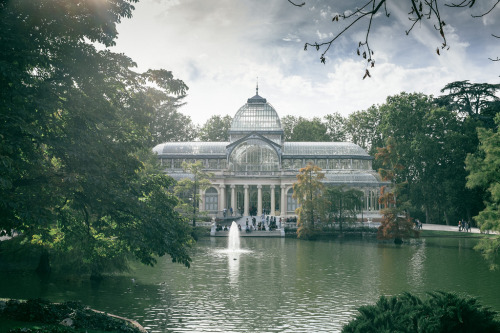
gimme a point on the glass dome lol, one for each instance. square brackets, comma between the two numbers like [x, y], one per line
[256, 115]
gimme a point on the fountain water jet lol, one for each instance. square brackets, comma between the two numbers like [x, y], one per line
[233, 241]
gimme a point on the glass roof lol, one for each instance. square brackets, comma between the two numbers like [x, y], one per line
[191, 148]
[291, 149]
[351, 178]
[256, 115]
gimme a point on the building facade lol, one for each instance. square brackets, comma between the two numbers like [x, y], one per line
[255, 170]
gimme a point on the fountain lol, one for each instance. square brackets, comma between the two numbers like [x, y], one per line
[233, 241]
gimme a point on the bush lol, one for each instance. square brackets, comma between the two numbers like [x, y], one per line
[440, 312]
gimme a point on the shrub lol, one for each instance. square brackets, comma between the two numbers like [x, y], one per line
[440, 312]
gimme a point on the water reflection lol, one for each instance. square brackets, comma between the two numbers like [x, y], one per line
[416, 269]
[233, 260]
[274, 285]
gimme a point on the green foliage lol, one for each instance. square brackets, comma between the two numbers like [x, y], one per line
[74, 131]
[475, 100]
[188, 190]
[430, 144]
[42, 311]
[310, 130]
[440, 312]
[484, 172]
[342, 205]
[335, 125]
[169, 124]
[363, 129]
[216, 129]
[308, 191]
[396, 222]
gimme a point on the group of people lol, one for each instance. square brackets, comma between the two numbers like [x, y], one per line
[464, 226]
[268, 223]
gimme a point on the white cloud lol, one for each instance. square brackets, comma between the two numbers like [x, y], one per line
[220, 47]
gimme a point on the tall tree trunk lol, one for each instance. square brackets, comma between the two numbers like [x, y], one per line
[43, 267]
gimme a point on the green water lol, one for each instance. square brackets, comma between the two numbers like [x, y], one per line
[276, 285]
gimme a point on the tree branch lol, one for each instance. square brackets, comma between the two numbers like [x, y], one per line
[295, 4]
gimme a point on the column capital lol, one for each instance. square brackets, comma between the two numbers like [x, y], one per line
[233, 186]
[283, 186]
[259, 186]
[246, 186]
[222, 185]
[272, 186]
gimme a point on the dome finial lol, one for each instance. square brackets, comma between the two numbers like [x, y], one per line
[257, 88]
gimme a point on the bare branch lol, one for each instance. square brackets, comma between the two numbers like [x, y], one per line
[489, 11]
[296, 4]
[419, 10]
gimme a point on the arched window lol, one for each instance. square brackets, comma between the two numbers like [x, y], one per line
[254, 155]
[291, 202]
[211, 200]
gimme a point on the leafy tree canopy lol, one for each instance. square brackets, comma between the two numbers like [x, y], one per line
[216, 129]
[342, 204]
[308, 191]
[484, 172]
[188, 190]
[74, 140]
[476, 100]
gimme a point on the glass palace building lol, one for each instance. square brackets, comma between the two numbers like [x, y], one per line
[255, 170]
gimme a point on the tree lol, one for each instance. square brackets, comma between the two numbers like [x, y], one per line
[363, 129]
[288, 123]
[484, 172]
[313, 130]
[335, 125]
[342, 205]
[368, 10]
[308, 191]
[432, 143]
[74, 129]
[396, 222]
[439, 312]
[476, 100]
[188, 189]
[216, 129]
[169, 124]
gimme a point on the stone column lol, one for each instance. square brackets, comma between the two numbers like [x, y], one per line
[273, 204]
[233, 199]
[222, 192]
[259, 200]
[283, 200]
[246, 210]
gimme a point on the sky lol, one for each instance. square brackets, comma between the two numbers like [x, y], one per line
[220, 48]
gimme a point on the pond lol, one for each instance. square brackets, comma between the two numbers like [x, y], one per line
[275, 285]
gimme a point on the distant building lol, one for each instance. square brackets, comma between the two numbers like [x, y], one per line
[256, 169]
